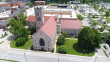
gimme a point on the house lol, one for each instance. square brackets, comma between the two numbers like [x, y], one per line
[3, 23]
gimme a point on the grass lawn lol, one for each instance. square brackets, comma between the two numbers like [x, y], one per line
[27, 45]
[8, 60]
[1, 42]
[74, 49]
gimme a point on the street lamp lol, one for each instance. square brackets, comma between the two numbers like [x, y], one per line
[25, 55]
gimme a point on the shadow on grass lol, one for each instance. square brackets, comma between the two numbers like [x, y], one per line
[79, 49]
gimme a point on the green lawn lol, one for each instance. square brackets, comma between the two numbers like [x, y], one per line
[74, 49]
[1, 42]
[27, 45]
[8, 60]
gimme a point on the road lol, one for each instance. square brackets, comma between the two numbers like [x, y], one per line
[36, 56]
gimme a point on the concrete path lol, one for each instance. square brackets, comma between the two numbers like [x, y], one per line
[72, 39]
[55, 43]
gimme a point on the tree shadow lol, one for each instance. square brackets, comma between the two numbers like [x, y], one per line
[80, 49]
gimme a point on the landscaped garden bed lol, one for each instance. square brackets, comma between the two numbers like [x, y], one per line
[27, 44]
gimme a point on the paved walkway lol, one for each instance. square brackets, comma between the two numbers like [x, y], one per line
[72, 39]
[55, 44]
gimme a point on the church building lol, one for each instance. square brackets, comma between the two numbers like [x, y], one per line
[49, 26]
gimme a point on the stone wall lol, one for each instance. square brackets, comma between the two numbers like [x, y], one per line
[49, 42]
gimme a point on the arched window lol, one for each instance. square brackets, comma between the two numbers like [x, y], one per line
[42, 43]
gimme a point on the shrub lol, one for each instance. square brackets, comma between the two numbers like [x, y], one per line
[62, 49]
[61, 40]
[52, 50]
[20, 41]
[80, 17]
[65, 34]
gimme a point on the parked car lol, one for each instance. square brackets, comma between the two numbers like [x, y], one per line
[105, 47]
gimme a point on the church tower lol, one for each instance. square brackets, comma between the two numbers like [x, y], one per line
[39, 16]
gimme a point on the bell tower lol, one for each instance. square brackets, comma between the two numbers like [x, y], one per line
[39, 16]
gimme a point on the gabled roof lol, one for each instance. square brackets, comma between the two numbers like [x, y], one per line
[49, 26]
[71, 24]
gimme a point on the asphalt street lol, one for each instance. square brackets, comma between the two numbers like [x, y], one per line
[36, 56]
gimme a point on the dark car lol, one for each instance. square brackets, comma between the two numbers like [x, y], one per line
[105, 47]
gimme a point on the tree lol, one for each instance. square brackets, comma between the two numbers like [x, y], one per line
[22, 18]
[14, 26]
[102, 9]
[30, 4]
[61, 40]
[104, 36]
[108, 20]
[107, 13]
[62, 49]
[94, 23]
[17, 28]
[80, 17]
[89, 38]
[32, 30]
[23, 32]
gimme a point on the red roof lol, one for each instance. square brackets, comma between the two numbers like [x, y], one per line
[49, 26]
[71, 24]
[31, 19]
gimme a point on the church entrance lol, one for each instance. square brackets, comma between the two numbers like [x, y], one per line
[42, 43]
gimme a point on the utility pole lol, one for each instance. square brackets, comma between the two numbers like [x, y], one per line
[58, 57]
[25, 56]
[95, 59]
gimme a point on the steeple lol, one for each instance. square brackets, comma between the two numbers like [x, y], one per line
[39, 16]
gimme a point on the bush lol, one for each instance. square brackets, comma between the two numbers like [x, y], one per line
[52, 50]
[65, 34]
[80, 17]
[30, 4]
[62, 49]
[61, 40]
[20, 41]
